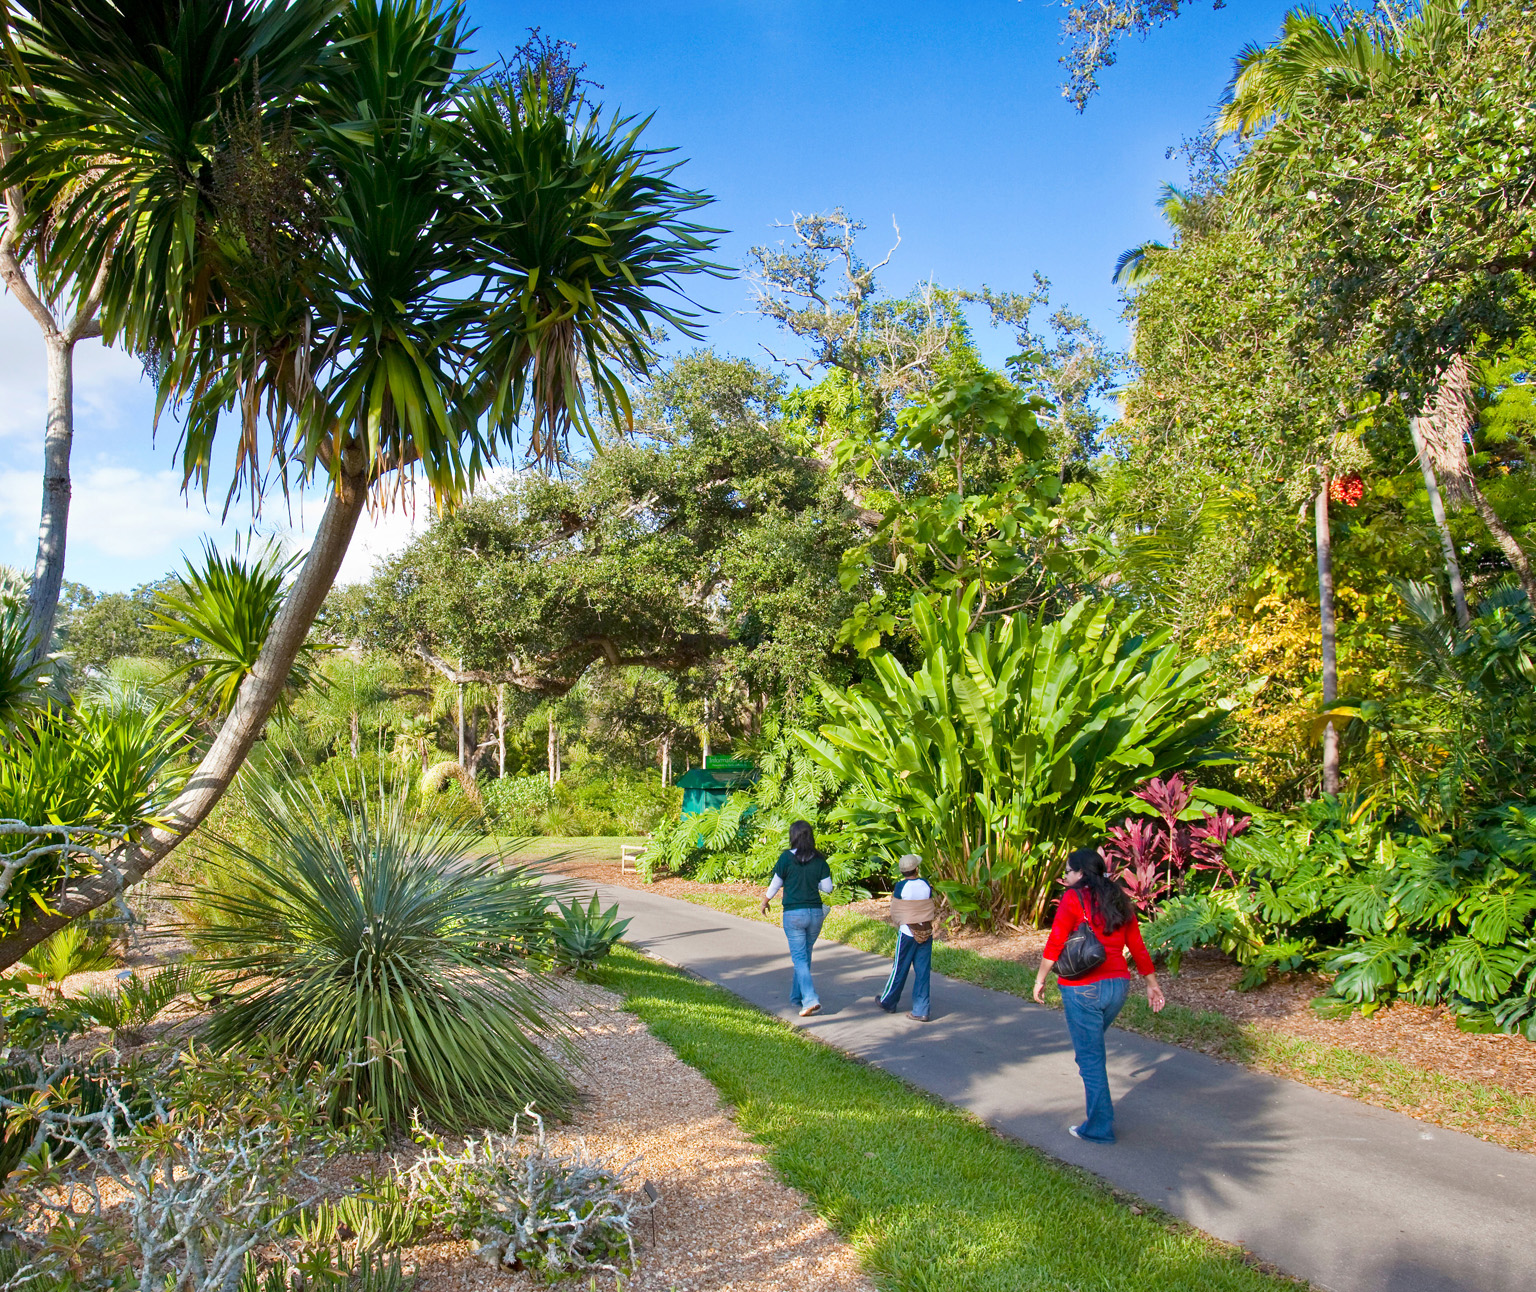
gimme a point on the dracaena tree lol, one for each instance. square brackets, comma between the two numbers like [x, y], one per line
[367, 266]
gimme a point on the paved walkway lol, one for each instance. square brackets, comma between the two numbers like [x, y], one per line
[1350, 1197]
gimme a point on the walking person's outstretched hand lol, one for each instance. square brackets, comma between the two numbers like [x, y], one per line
[1039, 991]
[765, 902]
[1155, 997]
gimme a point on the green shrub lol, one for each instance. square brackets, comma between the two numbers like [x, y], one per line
[374, 941]
[517, 797]
[139, 1000]
[589, 801]
[73, 949]
[1384, 910]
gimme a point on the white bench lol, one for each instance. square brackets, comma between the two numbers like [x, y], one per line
[629, 855]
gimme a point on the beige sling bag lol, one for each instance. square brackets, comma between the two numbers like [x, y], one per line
[917, 913]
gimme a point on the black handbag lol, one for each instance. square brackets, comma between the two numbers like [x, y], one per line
[1083, 953]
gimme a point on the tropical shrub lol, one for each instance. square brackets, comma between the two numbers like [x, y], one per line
[73, 949]
[590, 800]
[515, 803]
[1385, 910]
[378, 940]
[741, 840]
[72, 785]
[137, 1001]
[221, 612]
[1153, 858]
[1013, 742]
[22, 685]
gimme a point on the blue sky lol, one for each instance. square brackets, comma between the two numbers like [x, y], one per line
[947, 117]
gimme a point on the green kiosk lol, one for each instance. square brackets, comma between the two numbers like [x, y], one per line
[709, 786]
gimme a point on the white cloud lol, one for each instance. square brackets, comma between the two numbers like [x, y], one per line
[110, 388]
[120, 513]
[379, 534]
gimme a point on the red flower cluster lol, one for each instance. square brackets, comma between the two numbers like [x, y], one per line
[1348, 490]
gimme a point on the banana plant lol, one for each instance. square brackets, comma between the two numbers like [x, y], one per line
[1012, 743]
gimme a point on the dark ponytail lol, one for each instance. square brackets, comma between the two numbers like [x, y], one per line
[1100, 894]
[802, 841]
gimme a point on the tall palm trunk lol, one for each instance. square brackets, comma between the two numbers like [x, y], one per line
[258, 696]
[1437, 510]
[461, 719]
[59, 430]
[1330, 640]
[1444, 433]
[501, 730]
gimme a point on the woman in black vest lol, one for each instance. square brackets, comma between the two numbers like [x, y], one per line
[802, 874]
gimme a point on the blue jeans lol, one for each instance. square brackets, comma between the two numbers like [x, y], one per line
[918, 957]
[1090, 1009]
[802, 927]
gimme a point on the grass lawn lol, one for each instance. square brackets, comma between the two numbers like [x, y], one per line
[1474, 1107]
[932, 1200]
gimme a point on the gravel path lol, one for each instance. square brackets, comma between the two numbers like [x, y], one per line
[725, 1222]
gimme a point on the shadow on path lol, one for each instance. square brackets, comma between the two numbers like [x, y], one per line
[1350, 1197]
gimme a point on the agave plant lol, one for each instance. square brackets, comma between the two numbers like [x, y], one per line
[585, 934]
[372, 938]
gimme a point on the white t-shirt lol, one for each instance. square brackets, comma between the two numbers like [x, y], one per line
[914, 890]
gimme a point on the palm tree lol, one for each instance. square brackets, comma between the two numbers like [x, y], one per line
[65, 294]
[1349, 56]
[385, 269]
[1139, 263]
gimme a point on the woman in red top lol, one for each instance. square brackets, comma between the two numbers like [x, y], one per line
[1092, 1001]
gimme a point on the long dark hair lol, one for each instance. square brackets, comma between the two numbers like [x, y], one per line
[1100, 894]
[802, 841]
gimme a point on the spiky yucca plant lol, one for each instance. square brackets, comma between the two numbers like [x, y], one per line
[372, 936]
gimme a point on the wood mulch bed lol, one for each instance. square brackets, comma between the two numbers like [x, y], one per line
[724, 1223]
[1425, 1038]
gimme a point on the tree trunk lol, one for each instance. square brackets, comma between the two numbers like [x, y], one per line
[666, 760]
[1507, 542]
[356, 725]
[549, 749]
[1437, 510]
[258, 696]
[501, 730]
[1330, 643]
[706, 731]
[53, 524]
[1444, 433]
[461, 723]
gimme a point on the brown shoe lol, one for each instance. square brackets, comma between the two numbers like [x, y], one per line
[809, 1010]
[918, 1018]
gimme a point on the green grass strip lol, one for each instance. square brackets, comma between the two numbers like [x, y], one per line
[932, 1200]
[1490, 1111]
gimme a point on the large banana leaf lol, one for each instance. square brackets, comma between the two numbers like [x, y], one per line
[1014, 742]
